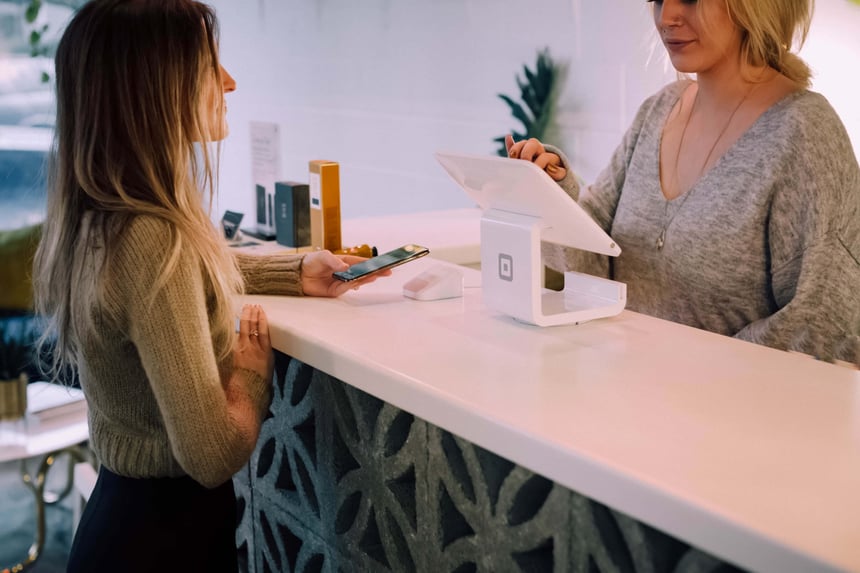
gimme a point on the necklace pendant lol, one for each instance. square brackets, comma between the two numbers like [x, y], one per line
[661, 240]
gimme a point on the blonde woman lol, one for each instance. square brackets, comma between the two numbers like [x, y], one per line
[735, 198]
[138, 287]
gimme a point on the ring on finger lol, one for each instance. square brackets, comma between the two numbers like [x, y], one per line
[255, 332]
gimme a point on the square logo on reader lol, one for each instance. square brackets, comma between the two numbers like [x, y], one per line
[506, 267]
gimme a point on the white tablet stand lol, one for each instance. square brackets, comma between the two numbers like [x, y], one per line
[522, 207]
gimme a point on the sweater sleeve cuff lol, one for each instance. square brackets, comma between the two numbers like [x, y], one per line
[271, 274]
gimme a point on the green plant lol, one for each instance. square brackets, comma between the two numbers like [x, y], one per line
[31, 14]
[537, 92]
[35, 39]
[17, 352]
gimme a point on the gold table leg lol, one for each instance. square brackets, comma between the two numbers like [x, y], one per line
[37, 483]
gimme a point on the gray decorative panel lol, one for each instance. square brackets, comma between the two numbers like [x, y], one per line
[343, 482]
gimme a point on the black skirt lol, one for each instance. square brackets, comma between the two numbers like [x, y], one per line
[157, 524]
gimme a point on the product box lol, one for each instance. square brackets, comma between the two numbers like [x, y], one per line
[292, 214]
[265, 213]
[324, 186]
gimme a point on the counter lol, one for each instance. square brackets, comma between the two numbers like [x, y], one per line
[748, 453]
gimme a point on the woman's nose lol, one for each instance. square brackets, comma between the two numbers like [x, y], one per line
[670, 13]
[227, 81]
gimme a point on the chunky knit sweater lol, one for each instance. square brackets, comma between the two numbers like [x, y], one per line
[764, 247]
[157, 405]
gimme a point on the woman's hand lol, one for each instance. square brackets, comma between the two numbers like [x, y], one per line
[253, 349]
[317, 269]
[534, 151]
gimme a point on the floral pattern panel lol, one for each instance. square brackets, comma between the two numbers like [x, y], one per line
[342, 482]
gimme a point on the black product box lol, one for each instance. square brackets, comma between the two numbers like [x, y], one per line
[292, 214]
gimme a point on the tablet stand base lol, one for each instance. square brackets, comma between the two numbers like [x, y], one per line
[512, 276]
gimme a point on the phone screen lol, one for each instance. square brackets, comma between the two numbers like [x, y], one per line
[387, 260]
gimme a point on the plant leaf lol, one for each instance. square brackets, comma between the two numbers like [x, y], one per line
[32, 11]
[536, 94]
[544, 83]
[530, 76]
[528, 95]
[517, 111]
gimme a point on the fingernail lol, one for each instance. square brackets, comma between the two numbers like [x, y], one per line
[512, 154]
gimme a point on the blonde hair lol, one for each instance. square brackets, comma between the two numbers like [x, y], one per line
[131, 76]
[770, 29]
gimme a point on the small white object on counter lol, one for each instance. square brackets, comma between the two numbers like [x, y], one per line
[437, 282]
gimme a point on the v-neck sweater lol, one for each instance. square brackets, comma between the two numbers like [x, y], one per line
[765, 246]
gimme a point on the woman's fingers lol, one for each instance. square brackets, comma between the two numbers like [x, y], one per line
[515, 149]
[263, 326]
[253, 349]
[526, 149]
[534, 151]
[531, 149]
[546, 159]
[245, 321]
[253, 324]
[556, 172]
[254, 330]
[551, 163]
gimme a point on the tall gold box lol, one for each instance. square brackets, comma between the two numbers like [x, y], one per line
[324, 184]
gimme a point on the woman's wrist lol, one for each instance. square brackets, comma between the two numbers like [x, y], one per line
[256, 388]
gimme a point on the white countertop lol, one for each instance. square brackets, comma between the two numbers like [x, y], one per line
[746, 452]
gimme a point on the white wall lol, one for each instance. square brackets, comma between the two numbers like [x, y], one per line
[379, 85]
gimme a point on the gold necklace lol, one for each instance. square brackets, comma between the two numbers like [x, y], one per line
[661, 240]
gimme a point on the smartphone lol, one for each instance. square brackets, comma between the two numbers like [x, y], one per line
[387, 260]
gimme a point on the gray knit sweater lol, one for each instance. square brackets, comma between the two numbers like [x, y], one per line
[765, 246]
[157, 407]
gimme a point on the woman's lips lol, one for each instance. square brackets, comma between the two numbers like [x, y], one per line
[675, 45]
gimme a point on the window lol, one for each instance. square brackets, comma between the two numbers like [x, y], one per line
[27, 110]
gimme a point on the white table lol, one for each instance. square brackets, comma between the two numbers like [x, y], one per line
[750, 453]
[46, 440]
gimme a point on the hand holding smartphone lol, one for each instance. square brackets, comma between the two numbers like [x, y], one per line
[387, 260]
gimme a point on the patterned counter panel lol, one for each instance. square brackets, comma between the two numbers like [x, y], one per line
[343, 482]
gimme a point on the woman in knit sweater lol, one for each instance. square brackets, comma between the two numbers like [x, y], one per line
[138, 287]
[735, 198]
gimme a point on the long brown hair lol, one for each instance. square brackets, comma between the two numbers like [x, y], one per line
[131, 76]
